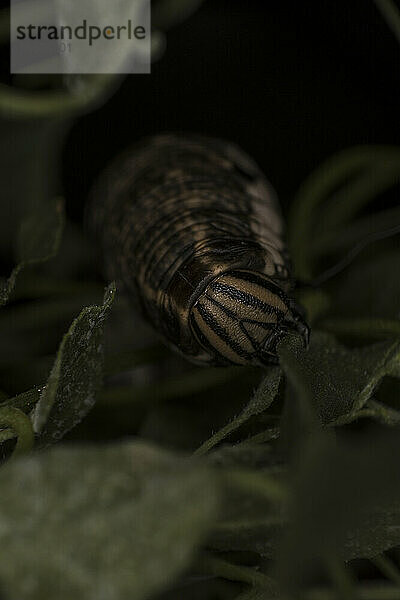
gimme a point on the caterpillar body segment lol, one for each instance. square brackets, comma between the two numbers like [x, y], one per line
[192, 230]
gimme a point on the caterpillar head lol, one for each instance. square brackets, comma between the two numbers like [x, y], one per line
[241, 316]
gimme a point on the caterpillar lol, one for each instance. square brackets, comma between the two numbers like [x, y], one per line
[193, 232]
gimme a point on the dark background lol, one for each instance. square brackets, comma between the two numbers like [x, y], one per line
[290, 81]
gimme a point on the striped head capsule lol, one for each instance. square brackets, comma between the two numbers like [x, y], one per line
[241, 316]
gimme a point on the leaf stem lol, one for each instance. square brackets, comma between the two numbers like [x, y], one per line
[275, 521]
[226, 570]
[261, 438]
[19, 103]
[21, 424]
[256, 482]
[341, 578]
[262, 399]
[387, 568]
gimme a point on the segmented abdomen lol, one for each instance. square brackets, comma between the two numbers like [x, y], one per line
[173, 214]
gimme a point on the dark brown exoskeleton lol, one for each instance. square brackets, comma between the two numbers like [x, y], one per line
[193, 232]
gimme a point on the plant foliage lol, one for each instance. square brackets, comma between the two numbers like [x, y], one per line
[174, 482]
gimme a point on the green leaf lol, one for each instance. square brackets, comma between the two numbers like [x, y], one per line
[334, 380]
[73, 381]
[25, 401]
[345, 504]
[260, 402]
[76, 375]
[117, 521]
[39, 240]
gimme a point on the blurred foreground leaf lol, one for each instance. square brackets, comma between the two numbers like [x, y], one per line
[114, 522]
[345, 504]
[391, 14]
[38, 241]
[76, 375]
[85, 93]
